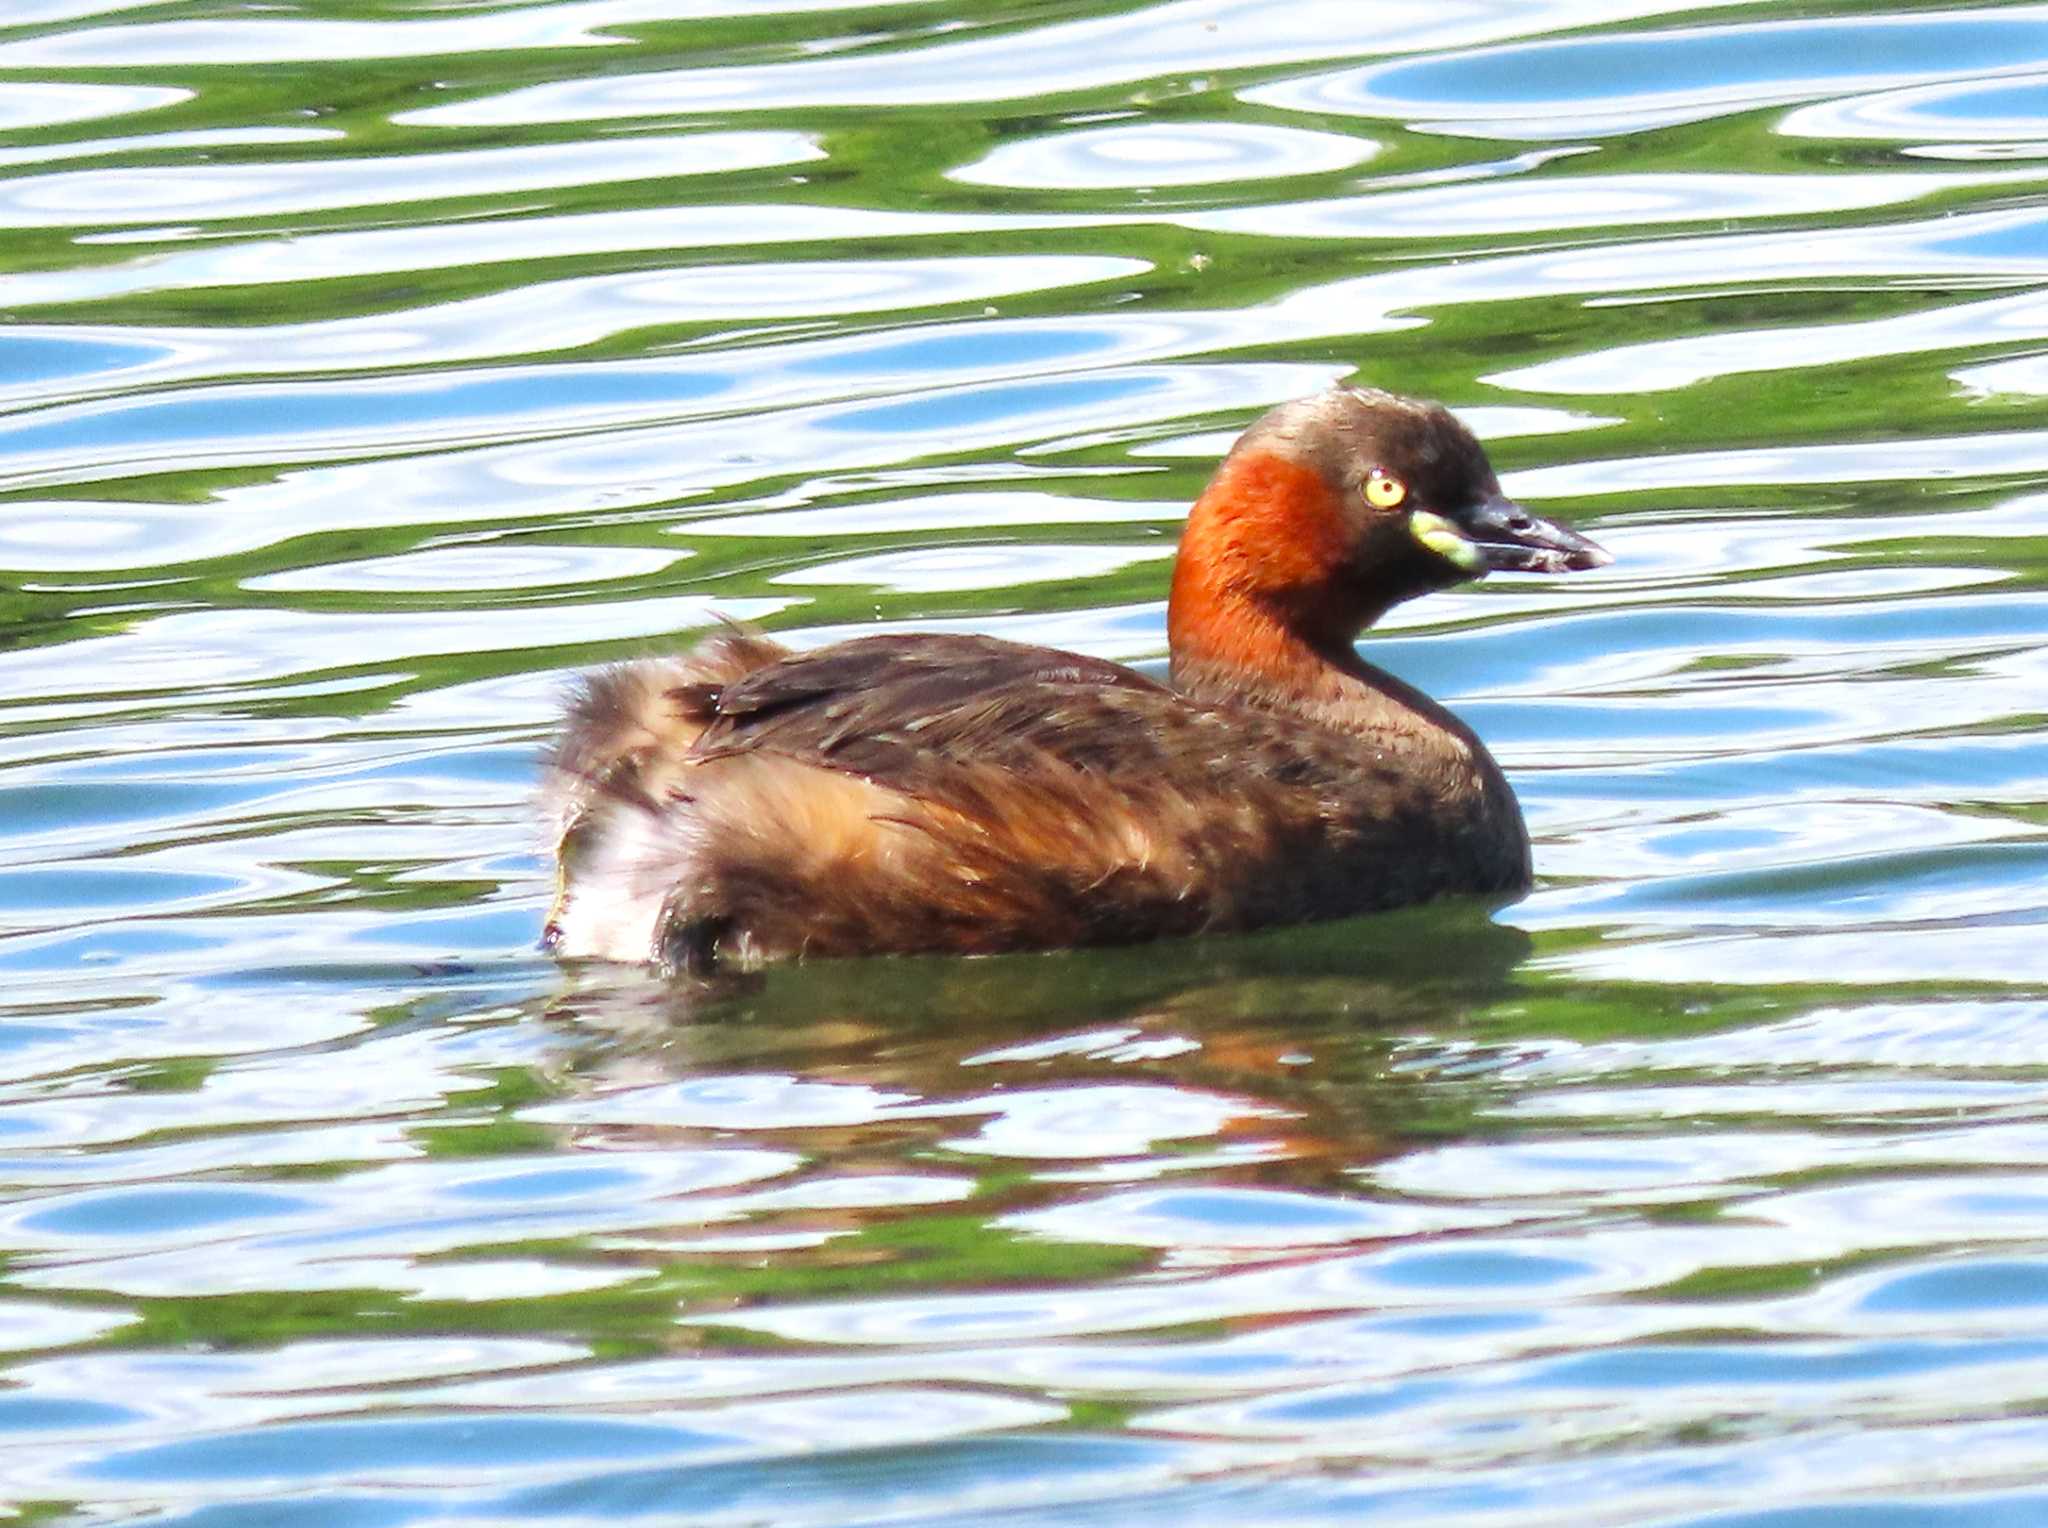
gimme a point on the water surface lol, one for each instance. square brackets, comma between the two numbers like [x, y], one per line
[369, 368]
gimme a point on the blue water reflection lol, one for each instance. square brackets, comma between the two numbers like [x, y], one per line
[371, 372]
[1619, 84]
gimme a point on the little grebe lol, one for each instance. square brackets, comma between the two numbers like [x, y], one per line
[746, 803]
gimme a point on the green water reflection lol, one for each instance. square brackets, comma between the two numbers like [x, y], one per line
[369, 367]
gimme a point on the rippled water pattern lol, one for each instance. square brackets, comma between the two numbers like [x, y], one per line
[368, 366]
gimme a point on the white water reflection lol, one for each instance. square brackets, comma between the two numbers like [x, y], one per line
[1662, 365]
[90, 198]
[1592, 86]
[1184, 154]
[202, 649]
[1712, 1177]
[1906, 461]
[68, 360]
[481, 568]
[1582, 201]
[2024, 376]
[30, 104]
[1959, 117]
[1206, 1220]
[26, 1325]
[504, 241]
[308, 39]
[963, 568]
[1085, 54]
[986, 510]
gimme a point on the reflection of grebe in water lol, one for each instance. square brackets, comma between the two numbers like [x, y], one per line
[948, 793]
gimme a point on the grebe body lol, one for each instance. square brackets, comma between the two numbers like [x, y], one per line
[899, 793]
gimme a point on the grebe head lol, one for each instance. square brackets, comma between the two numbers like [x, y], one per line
[1333, 508]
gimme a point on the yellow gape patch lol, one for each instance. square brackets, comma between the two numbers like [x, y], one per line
[1444, 539]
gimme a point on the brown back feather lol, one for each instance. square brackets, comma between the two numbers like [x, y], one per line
[965, 794]
[623, 718]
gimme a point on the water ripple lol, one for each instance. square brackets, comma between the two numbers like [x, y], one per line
[369, 372]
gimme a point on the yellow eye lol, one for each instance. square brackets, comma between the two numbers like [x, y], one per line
[1383, 491]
